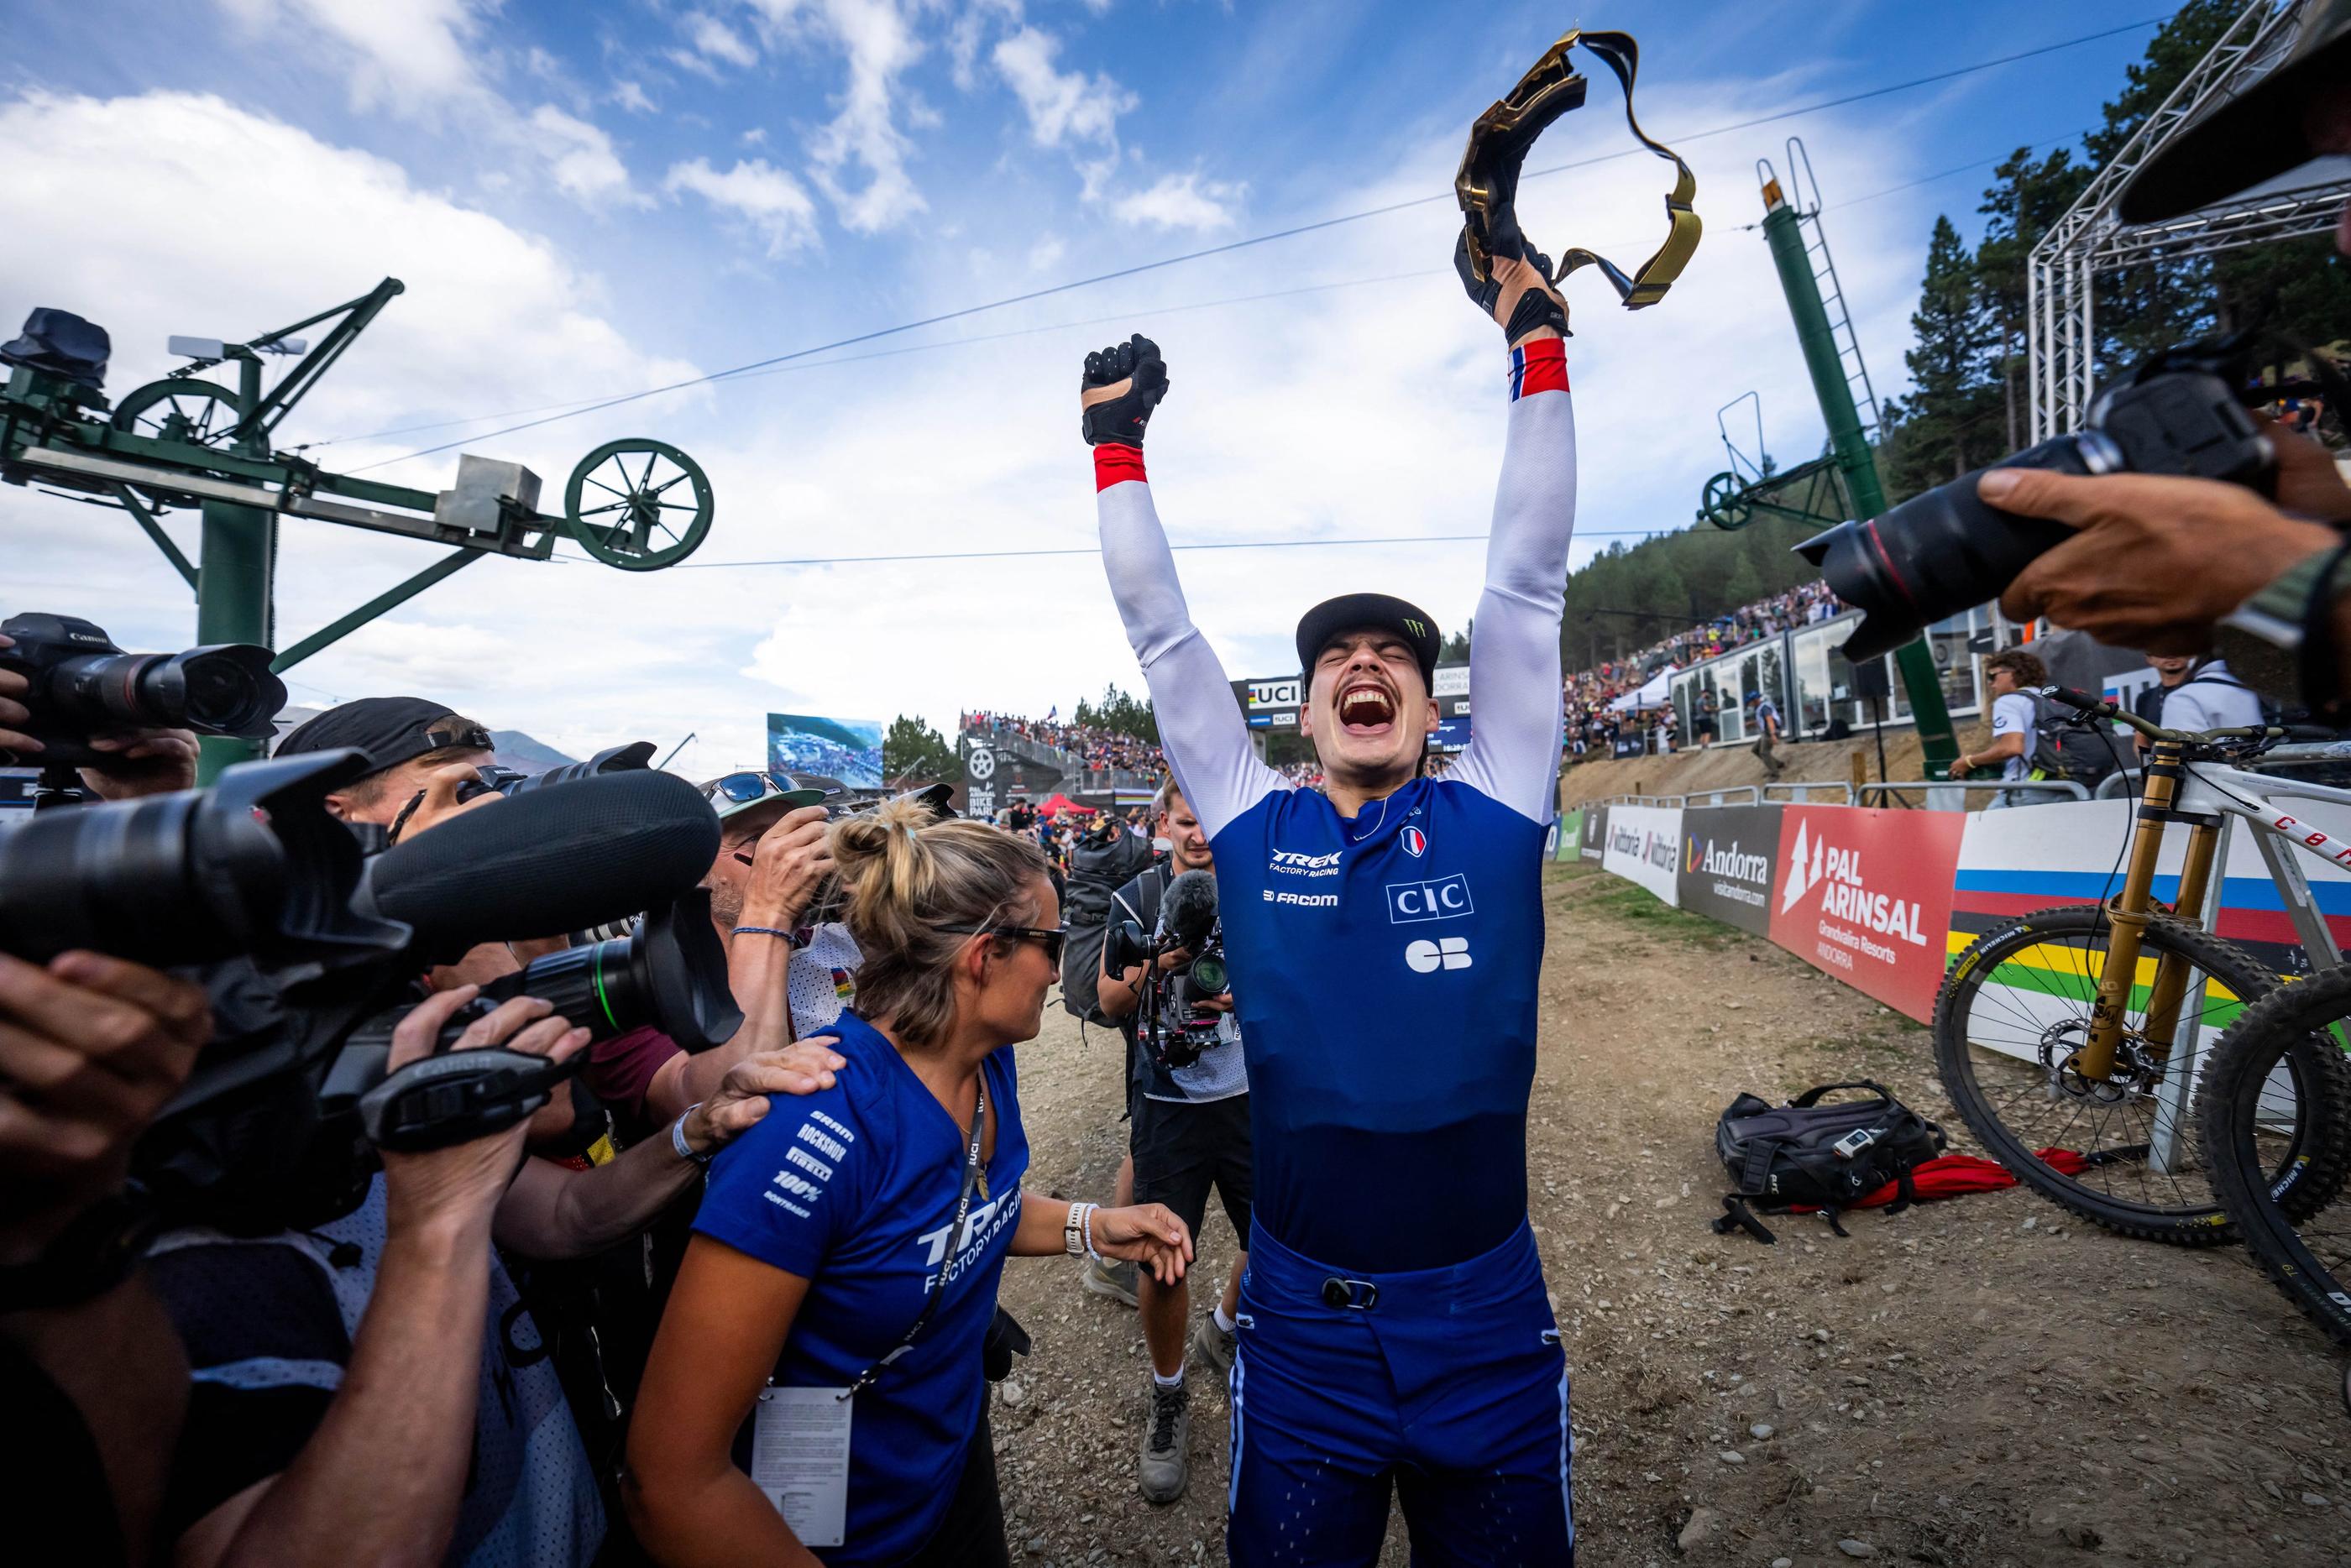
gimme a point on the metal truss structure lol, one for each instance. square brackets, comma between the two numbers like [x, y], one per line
[2090, 239]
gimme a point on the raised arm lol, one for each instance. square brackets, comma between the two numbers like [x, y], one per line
[1514, 660]
[1200, 727]
[1514, 663]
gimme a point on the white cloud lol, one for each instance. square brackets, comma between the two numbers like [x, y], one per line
[424, 60]
[1063, 107]
[756, 137]
[878, 38]
[1182, 202]
[719, 41]
[132, 211]
[762, 195]
[1046, 252]
[580, 159]
[631, 96]
[401, 56]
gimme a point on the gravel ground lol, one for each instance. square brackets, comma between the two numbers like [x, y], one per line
[1983, 1381]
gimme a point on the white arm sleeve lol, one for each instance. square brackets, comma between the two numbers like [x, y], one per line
[1514, 662]
[1200, 729]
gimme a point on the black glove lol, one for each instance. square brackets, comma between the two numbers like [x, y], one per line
[1495, 161]
[1120, 387]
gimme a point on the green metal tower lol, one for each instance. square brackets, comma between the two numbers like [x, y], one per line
[1833, 355]
[186, 440]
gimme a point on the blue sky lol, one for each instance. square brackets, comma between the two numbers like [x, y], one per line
[590, 200]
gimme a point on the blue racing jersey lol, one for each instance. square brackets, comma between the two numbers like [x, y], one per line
[853, 1188]
[1383, 967]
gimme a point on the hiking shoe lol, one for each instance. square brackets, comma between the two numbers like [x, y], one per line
[1115, 1281]
[1214, 1347]
[1166, 1444]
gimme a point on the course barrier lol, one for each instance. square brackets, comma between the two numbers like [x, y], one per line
[1884, 899]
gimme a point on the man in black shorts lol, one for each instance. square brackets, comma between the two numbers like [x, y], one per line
[1191, 1131]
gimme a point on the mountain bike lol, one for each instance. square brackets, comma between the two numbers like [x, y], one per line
[2072, 1039]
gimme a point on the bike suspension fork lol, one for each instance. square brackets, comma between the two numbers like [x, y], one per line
[2127, 915]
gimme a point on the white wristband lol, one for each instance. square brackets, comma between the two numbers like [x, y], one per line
[1087, 1231]
[677, 1139]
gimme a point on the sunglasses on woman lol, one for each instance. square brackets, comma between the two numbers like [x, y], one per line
[1052, 936]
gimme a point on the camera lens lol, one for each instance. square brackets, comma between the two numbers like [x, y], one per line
[224, 689]
[254, 865]
[1944, 551]
[1208, 975]
[670, 974]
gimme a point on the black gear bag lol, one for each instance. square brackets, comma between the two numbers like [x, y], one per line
[1821, 1156]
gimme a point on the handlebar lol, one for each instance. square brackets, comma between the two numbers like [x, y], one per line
[2094, 706]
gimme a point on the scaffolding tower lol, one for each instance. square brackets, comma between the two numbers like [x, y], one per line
[2090, 238]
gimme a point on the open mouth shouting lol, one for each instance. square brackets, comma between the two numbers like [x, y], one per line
[1366, 708]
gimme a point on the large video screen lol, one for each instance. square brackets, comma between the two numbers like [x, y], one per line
[847, 749]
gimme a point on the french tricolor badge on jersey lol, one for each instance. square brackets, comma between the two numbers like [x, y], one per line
[1415, 842]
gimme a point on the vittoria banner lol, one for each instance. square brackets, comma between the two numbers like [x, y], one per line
[1644, 845]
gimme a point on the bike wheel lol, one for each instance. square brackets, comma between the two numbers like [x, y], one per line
[2275, 1122]
[2013, 1010]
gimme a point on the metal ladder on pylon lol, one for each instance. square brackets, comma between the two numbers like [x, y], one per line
[1804, 196]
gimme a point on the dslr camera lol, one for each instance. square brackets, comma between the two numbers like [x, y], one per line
[1948, 550]
[312, 951]
[1172, 1020]
[81, 685]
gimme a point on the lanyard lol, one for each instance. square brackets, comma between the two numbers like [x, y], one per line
[955, 1229]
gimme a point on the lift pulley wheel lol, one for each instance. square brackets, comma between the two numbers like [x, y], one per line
[638, 504]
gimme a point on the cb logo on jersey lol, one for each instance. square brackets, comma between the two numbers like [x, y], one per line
[1415, 842]
[1428, 957]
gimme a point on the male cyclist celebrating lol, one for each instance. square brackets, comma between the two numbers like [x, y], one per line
[1384, 938]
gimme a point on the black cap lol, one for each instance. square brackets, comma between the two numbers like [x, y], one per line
[1351, 612]
[2250, 138]
[389, 730]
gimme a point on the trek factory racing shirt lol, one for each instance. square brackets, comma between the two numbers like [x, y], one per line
[853, 1188]
[1383, 967]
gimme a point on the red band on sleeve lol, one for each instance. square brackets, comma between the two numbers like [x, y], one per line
[1539, 367]
[1115, 463]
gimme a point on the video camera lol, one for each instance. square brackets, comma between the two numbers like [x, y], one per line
[81, 684]
[1189, 923]
[1948, 550]
[315, 952]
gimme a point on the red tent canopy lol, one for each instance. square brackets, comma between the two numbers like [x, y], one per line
[1062, 802]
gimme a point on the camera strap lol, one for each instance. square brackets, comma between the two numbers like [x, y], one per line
[971, 1169]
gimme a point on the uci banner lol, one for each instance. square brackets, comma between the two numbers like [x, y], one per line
[1867, 896]
[1730, 862]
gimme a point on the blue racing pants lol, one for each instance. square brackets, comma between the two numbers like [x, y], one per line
[1447, 1384]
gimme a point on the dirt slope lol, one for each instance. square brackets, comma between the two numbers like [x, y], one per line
[1980, 1382]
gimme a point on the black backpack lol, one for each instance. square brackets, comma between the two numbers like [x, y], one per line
[1821, 1155]
[1096, 871]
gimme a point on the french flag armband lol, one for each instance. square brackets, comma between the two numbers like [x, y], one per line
[1537, 367]
[1117, 462]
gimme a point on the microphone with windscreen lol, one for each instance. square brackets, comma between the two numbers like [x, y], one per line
[546, 861]
[1189, 908]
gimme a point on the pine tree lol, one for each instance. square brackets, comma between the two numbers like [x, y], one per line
[912, 748]
[1952, 390]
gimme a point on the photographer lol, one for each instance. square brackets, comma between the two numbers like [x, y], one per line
[1190, 1129]
[851, 1250]
[93, 1383]
[2159, 560]
[2012, 676]
[790, 976]
[139, 761]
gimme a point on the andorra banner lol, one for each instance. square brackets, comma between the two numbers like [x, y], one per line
[1867, 896]
[1729, 854]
